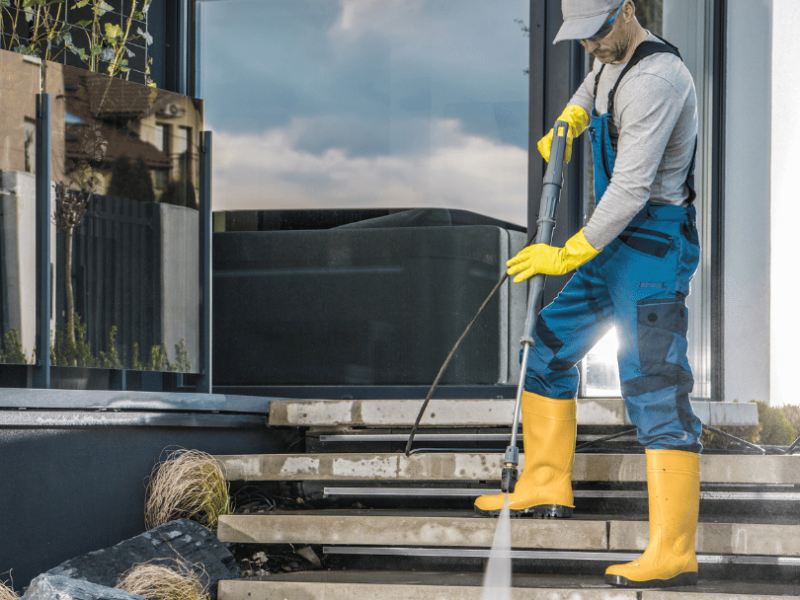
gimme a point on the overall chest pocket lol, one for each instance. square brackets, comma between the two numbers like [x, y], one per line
[647, 241]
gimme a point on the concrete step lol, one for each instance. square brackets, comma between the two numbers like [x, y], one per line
[473, 413]
[444, 529]
[452, 467]
[399, 585]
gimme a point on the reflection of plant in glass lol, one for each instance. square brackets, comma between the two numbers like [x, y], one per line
[159, 359]
[106, 42]
[70, 208]
[71, 348]
[110, 360]
[131, 180]
[11, 350]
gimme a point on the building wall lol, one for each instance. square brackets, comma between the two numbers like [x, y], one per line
[747, 201]
[784, 206]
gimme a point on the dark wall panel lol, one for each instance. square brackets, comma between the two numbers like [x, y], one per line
[69, 491]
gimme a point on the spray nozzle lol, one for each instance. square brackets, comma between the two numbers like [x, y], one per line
[508, 480]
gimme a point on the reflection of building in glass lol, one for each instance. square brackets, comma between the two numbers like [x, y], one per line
[19, 84]
[126, 280]
[124, 131]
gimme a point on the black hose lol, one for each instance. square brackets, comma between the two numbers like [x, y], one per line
[453, 352]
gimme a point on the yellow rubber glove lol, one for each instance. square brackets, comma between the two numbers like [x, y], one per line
[578, 121]
[541, 258]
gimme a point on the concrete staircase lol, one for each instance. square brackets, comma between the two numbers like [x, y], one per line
[392, 526]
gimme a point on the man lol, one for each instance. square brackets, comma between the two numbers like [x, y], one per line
[634, 260]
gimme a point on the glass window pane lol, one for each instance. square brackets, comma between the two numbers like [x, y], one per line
[687, 25]
[407, 124]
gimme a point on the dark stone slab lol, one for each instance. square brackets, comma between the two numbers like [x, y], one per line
[182, 539]
[59, 587]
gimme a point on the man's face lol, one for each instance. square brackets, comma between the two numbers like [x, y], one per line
[614, 45]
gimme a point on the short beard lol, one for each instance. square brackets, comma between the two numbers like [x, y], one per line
[623, 47]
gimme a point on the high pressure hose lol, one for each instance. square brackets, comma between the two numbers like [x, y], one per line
[450, 356]
[551, 192]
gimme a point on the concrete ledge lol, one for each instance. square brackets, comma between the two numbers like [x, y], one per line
[487, 467]
[474, 413]
[131, 401]
[362, 528]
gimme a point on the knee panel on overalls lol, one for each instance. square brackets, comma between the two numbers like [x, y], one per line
[658, 401]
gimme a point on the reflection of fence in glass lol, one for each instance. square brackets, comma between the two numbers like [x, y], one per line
[125, 163]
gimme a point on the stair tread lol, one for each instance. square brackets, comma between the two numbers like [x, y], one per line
[480, 412]
[447, 528]
[456, 585]
[474, 467]
[447, 513]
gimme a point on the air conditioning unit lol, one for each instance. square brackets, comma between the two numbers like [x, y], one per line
[172, 110]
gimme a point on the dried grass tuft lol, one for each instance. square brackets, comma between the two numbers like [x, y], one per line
[189, 484]
[7, 591]
[158, 582]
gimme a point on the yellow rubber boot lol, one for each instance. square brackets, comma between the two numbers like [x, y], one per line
[673, 487]
[545, 487]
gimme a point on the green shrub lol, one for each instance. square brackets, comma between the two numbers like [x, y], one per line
[792, 414]
[776, 429]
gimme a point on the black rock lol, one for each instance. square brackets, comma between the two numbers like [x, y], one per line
[59, 587]
[183, 540]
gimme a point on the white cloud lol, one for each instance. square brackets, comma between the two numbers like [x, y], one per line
[266, 172]
[358, 16]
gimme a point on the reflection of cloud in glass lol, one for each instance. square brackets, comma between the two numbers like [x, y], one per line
[461, 171]
[418, 97]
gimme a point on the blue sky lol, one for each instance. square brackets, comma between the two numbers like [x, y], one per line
[314, 101]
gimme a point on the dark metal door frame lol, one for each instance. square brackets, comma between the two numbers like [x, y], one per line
[555, 73]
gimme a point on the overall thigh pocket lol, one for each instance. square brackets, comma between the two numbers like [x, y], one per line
[662, 325]
[647, 241]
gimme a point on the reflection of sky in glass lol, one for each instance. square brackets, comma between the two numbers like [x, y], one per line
[367, 103]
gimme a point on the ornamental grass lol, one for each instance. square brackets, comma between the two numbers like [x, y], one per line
[7, 591]
[189, 484]
[159, 582]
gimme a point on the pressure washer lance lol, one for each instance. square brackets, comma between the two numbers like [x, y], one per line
[548, 206]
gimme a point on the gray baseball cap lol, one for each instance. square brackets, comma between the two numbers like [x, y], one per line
[583, 18]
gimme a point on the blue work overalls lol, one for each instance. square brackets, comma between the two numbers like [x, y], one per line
[639, 282]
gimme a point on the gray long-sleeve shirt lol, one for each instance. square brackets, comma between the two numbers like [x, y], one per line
[654, 129]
